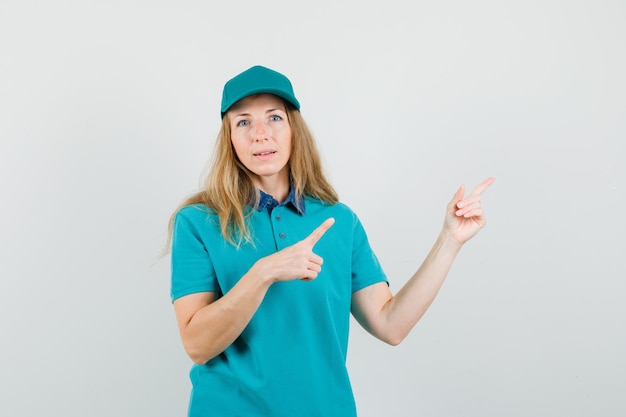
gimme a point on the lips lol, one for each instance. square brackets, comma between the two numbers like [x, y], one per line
[264, 153]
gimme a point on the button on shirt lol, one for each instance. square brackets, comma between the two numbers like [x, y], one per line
[268, 202]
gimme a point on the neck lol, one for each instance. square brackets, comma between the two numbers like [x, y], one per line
[277, 186]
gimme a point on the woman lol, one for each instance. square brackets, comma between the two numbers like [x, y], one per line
[268, 265]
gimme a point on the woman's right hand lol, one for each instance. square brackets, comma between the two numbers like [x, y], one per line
[297, 261]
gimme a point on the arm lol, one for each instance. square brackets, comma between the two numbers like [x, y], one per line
[390, 318]
[208, 325]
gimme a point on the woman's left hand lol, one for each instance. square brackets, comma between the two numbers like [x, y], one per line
[464, 215]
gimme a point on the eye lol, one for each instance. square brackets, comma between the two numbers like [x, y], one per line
[276, 118]
[242, 123]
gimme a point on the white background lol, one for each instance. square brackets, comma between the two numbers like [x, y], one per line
[108, 113]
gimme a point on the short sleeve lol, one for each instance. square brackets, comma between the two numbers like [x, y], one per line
[366, 269]
[191, 268]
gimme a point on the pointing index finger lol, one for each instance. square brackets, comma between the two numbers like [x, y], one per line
[317, 234]
[480, 188]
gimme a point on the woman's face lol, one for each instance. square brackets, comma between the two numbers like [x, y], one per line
[261, 136]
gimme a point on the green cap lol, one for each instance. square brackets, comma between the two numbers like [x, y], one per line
[257, 80]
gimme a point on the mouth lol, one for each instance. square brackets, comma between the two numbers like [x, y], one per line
[264, 153]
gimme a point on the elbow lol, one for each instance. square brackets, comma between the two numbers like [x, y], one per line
[394, 340]
[201, 348]
[391, 335]
[199, 360]
[198, 354]
[198, 357]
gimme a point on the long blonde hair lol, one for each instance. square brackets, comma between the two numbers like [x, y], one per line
[228, 189]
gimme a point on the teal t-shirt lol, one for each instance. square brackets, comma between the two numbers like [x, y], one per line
[291, 358]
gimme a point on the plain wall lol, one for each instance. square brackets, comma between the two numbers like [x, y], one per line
[108, 113]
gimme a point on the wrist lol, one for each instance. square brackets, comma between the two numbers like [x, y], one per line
[446, 239]
[260, 274]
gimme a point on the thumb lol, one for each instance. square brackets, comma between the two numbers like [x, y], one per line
[458, 196]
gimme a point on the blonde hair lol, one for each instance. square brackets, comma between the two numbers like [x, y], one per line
[228, 189]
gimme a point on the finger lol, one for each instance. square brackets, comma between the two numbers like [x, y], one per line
[317, 234]
[467, 207]
[458, 196]
[480, 188]
[315, 267]
[311, 273]
[469, 200]
[315, 260]
[478, 212]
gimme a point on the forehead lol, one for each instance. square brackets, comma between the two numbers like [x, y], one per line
[263, 100]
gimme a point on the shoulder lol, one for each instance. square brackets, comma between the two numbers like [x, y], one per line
[195, 215]
[195, 211]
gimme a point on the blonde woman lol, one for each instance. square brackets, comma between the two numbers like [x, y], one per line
[268, 265]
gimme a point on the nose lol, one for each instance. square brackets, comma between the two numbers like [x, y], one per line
[261, 132]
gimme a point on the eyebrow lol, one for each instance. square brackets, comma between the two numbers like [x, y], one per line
[266, 111]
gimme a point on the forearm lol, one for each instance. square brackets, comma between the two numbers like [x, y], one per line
[217, 325]
[402, 311]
